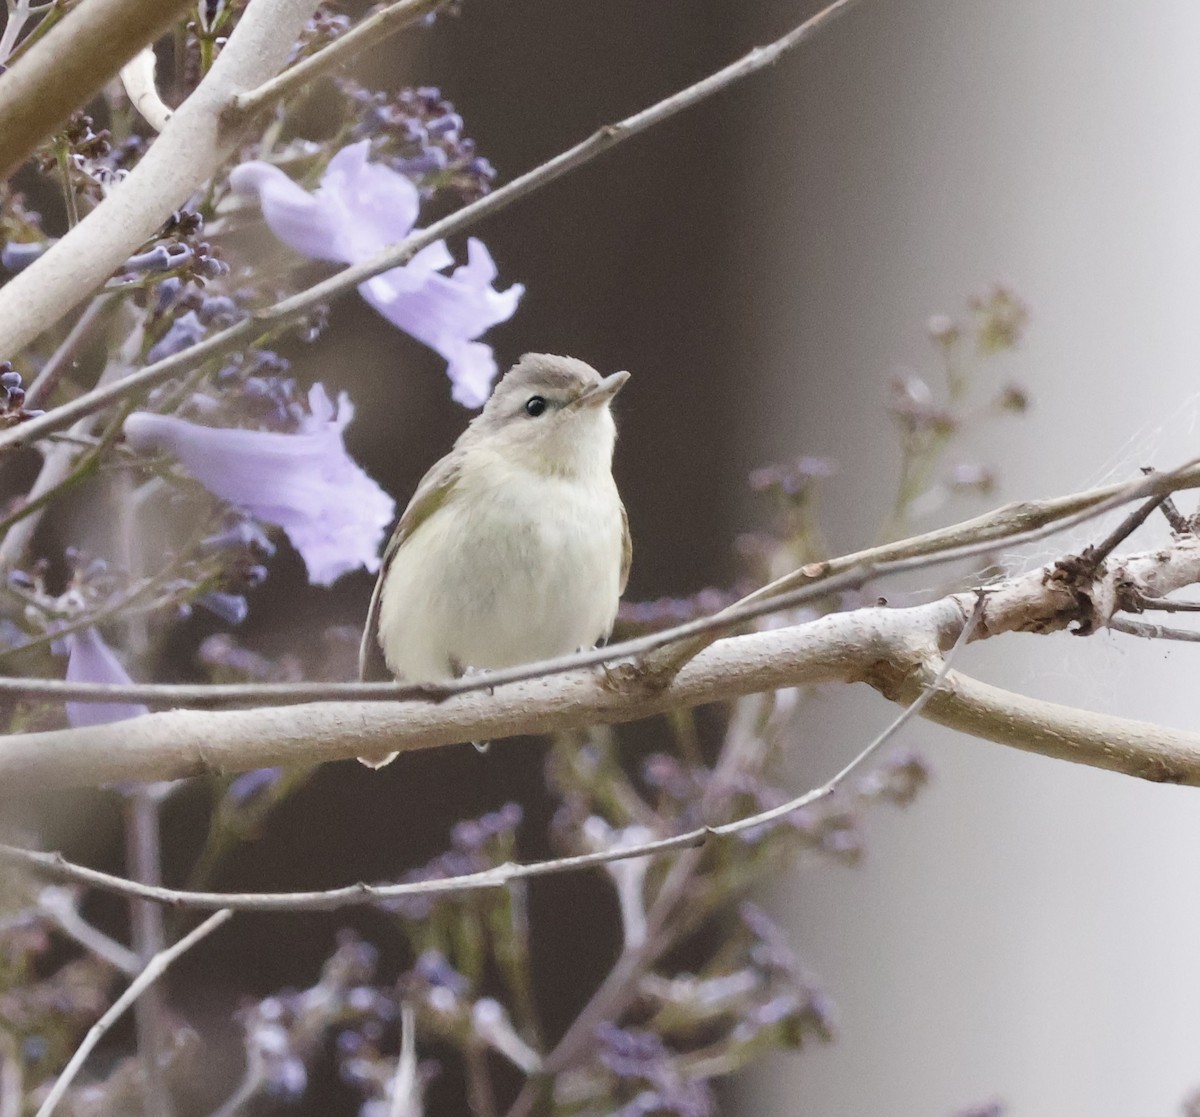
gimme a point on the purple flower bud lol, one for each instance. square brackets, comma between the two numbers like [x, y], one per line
[468, 835]
[431, 161]
[183, 333]
[232, 608]
[629, 1052]
[286, 1079]
[17, 256]
[168, 291]
[481, 168]
[510, 816]
[433, 969]
[219, 308]
[443, 125]
[158, 258]
[255, 575]
[210, 267]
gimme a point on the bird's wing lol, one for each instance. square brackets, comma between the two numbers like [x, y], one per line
[433, 491]
[626, 548]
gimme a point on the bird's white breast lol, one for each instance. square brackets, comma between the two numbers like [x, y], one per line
[519, 566]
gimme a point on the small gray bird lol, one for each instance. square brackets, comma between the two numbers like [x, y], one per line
[515, 546]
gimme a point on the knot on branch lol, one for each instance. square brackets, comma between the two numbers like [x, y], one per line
[898, 681]
[637, 676]
[1082, 578]
[1089, 593]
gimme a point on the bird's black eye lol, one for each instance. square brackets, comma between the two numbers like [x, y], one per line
[534, 406]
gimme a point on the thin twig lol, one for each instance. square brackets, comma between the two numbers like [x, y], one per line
[252, 1081]
[1162, 606]
[601, 141]
[1094, 556]
[47, 379]
[940, 546]
[143, 846]
[369, 33]
[66, 463]
[1170, 511]
[153, 971]
[59, 904]
[1153, 631]
[354, 895]
[18, 15]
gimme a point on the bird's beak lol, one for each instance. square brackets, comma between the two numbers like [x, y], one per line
[600, 394]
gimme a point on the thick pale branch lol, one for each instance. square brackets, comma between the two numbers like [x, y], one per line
[894, 650]
[138, 77]
[181, 743]
[31, 309]
[330, 899]
[69, 67]
[193, 145]
[1134, 748]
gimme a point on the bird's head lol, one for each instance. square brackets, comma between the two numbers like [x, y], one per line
[551, 414]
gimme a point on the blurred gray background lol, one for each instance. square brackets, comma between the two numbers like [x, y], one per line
[1027, 932]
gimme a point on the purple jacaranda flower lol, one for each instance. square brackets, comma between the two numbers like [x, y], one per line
[91, 660]
[304, 482]
[359, 209]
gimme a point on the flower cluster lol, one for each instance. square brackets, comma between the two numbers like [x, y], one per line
[419, 134]
[86, 154]
[287, 1034]
[180, 255]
